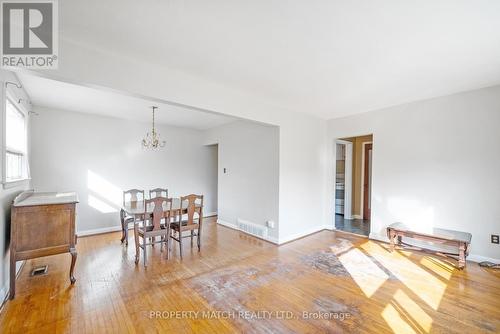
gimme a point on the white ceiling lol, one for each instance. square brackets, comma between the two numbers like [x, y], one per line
[330, 58]
[49, 93]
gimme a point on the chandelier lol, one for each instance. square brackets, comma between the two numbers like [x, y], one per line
[152, 139]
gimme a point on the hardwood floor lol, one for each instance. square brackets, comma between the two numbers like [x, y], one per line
[331, 274]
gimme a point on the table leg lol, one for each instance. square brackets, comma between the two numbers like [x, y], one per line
[72, 268]
[126, 234]
[198, 238]
[136, 238]
[122, 220]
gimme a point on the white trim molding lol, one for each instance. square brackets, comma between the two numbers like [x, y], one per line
[99, 231]
[362, 207]
[235, 227]
[480, 258]
[471, 257]
[299, 235]
[348, 178]
[118, 228]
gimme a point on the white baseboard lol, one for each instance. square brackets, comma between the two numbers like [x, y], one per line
[471, 257]
[304, 233]
[227, 224]
[117, 228]
[282, 240]
[235, 227]
[376, 236]
[480, 258]
[356, 217]
[99, 230]
[4, 291]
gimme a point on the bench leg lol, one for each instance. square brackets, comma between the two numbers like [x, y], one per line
[461, 256]
[392, 236]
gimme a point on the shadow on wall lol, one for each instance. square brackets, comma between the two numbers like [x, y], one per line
[6, 230]
[5, 212]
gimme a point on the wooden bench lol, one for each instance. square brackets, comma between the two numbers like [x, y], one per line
[460, 240]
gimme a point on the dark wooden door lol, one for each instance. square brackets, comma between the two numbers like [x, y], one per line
[367, 183]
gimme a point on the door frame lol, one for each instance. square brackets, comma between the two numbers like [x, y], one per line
[347, 178]
[363, 147]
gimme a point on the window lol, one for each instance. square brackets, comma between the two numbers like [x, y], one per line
[16, 146]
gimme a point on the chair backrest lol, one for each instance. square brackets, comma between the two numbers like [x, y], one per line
[133, 195]
[161, 208]
[192, 204]
[158, 192]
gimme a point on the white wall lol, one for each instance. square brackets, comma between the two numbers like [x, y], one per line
[249, 189]
[99, 157]
[7, 195]
[303, 155]
[303, 186]
[435, 163]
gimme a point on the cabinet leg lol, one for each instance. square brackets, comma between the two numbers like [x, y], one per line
[73, 261]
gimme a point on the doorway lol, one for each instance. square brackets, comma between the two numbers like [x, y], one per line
[353, 179]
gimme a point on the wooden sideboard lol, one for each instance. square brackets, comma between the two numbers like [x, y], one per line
[42, 224]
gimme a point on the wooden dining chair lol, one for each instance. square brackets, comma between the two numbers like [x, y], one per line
[160, 226]
[158, 192]
[132, 195]
[189, 205]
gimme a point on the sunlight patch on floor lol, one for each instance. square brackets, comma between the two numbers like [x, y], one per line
[441, 268]
[395, 321]
[367, 275]
[417, 313]
[422, 283]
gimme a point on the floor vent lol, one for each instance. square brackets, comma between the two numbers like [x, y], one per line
[253, 229]
[38, 271]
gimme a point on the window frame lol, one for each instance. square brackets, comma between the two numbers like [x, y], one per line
[11, 97]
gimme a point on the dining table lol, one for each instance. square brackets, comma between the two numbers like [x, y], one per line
[136, 210]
